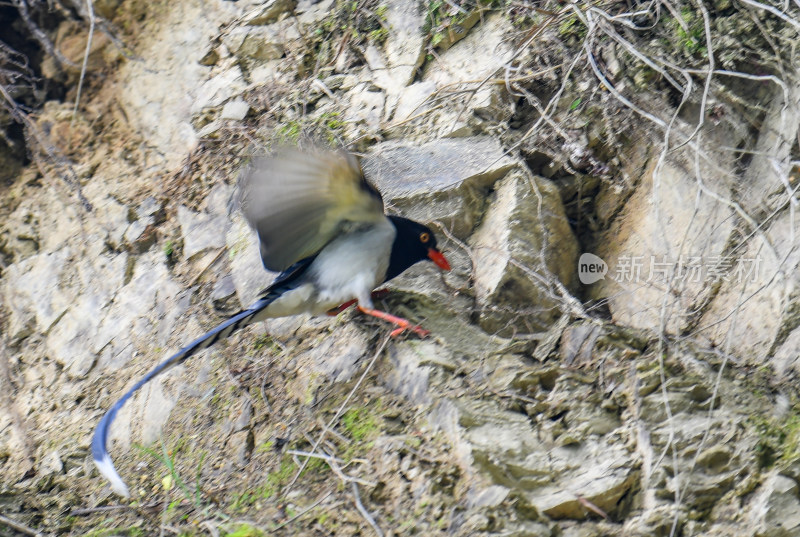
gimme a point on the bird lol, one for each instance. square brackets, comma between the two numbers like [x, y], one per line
[321, 224]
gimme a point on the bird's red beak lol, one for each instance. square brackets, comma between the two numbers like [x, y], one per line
[437, 257]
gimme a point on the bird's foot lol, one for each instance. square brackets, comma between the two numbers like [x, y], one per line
[377, 294]
[421, 332]
[402, 324]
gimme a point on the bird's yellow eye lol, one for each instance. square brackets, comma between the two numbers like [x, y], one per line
[424, 237]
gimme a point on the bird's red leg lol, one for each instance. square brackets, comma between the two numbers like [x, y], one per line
[402, 324]
[380, 293]
[339, 309]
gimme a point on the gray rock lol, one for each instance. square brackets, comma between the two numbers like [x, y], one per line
[411, 99]
[444, 180]
[786, 359]
[394, 66]
[523, 247]
[762, 318]
[155, 405]
[220, 200]
[33, 293]
[20, 232]
[269, 12]
[241, 445]
[223, 290]
[157, 95]
[246, 414]
[151, 207]
[337, 357]
[141, 234]
[476, 57]
[136, 307]
[365, 112]
[310, 12]
[112, 216]
[715, 458]
[656, 232]
[408, 377]
[257, 45]
[218, 90]
[51, 464]
[405, 44]
[490, 496]
[765, 184]
[235, 109]
[67, 342]
[530, 529]
[775, 508]
[201, 231]
[553, 479]
[260, 46]
[458, 31]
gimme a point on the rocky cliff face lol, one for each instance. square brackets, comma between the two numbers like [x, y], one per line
[645, 389]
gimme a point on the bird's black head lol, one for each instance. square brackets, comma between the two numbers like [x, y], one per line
[412, 244]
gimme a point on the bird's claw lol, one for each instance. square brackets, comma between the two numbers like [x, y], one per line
[421, 332]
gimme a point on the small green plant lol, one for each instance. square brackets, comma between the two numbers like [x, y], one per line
[289, 132]
[168, 249]
[167, 458]
[690, 33]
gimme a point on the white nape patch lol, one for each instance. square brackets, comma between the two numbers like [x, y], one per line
[106, 468]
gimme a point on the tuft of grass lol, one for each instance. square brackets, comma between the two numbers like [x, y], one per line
[167, 458]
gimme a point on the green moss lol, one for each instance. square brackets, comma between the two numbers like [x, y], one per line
[245, 530]
[360, 424]
[275, 481]
[264, 341]
[448, 22]
[266, 447]
[104, 532]
[778, 440]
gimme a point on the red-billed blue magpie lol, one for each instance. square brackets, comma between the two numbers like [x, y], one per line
[322, 225]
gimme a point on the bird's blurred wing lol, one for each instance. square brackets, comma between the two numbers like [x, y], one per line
[298, 202]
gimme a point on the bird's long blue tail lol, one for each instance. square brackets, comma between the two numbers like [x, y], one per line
[99, 451]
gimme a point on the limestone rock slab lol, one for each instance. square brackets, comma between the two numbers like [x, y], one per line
[444, 180]
[523, 247]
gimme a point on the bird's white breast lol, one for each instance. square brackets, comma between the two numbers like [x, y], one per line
[352, 265]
